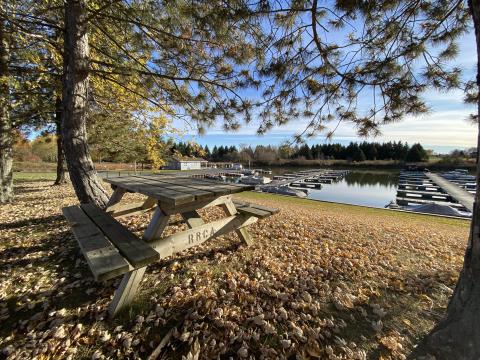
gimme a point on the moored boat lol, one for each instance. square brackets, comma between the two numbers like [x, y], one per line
[255, 180]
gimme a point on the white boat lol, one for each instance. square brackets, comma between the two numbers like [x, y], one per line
[255, 180]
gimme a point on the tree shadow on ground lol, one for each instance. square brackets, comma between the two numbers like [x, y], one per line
[410, 312]
[59, 262]
[26, 190]
[46, 222]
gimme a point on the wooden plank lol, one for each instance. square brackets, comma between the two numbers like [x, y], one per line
[234, 188]
[221, 187]
[177, 186]
[137, 252]
[175, 243]
[165, 195]
[256, 206]
[170, 210]
[218, 190]
[216, 183]
[254, 212]
[103, 258]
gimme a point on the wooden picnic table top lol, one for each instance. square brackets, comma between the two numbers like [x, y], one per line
[177, 190]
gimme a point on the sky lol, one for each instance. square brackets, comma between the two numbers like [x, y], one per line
[444, 128]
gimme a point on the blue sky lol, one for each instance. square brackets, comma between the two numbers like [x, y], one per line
[444, 128]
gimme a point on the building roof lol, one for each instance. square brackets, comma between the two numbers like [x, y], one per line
[187, 158]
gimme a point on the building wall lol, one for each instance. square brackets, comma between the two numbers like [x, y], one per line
[190, 165]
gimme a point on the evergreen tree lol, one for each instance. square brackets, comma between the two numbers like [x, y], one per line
[416, 154]
[358, 154]
[304, 151]
[215, 153]
[207, 152]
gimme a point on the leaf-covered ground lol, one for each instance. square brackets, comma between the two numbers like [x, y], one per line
[322, 281]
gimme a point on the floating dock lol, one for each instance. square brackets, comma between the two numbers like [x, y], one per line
[307, 179]
[458, 194]
[440, 189]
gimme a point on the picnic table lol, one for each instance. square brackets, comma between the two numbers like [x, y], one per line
[112, 250]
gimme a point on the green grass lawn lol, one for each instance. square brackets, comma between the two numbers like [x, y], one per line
[354, 209]
[20, 176]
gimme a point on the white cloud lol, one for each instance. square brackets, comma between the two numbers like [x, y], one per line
[438, 128]
[449, 127]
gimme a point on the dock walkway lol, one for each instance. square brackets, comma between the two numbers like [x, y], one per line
[462, 196]
[296, 178]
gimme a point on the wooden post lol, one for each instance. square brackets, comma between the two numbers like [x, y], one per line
[122, 210]
[131, 280]
[115, 198]
[243, 234]
[157, 225]
[193, 219]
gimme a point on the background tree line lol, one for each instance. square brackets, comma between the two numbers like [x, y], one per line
[398, 151]
[122, 144]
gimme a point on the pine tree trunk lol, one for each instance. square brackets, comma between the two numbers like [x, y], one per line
[457, 336]
[75, 102]
[61, 164]
[6, 134]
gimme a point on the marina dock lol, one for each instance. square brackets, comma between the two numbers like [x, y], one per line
[313, 179]
[458, 194]
[449, 189]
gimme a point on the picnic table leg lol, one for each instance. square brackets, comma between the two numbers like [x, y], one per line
[149, 203]
[243, 234]
[130, 209]
[117, 195]
[192, 218]
[131, 280]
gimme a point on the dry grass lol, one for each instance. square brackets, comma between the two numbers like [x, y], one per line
[322, 281]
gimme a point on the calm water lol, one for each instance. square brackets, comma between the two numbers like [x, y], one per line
[359, 187]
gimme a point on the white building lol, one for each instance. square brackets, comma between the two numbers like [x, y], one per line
[187, 163]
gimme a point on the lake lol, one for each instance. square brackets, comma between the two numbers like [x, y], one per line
[374, 188]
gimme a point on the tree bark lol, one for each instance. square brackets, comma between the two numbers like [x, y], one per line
[457, 336]
[61, 164]
[75, 102]
[6, 131]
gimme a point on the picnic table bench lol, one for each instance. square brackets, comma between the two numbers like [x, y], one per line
[111, 250]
